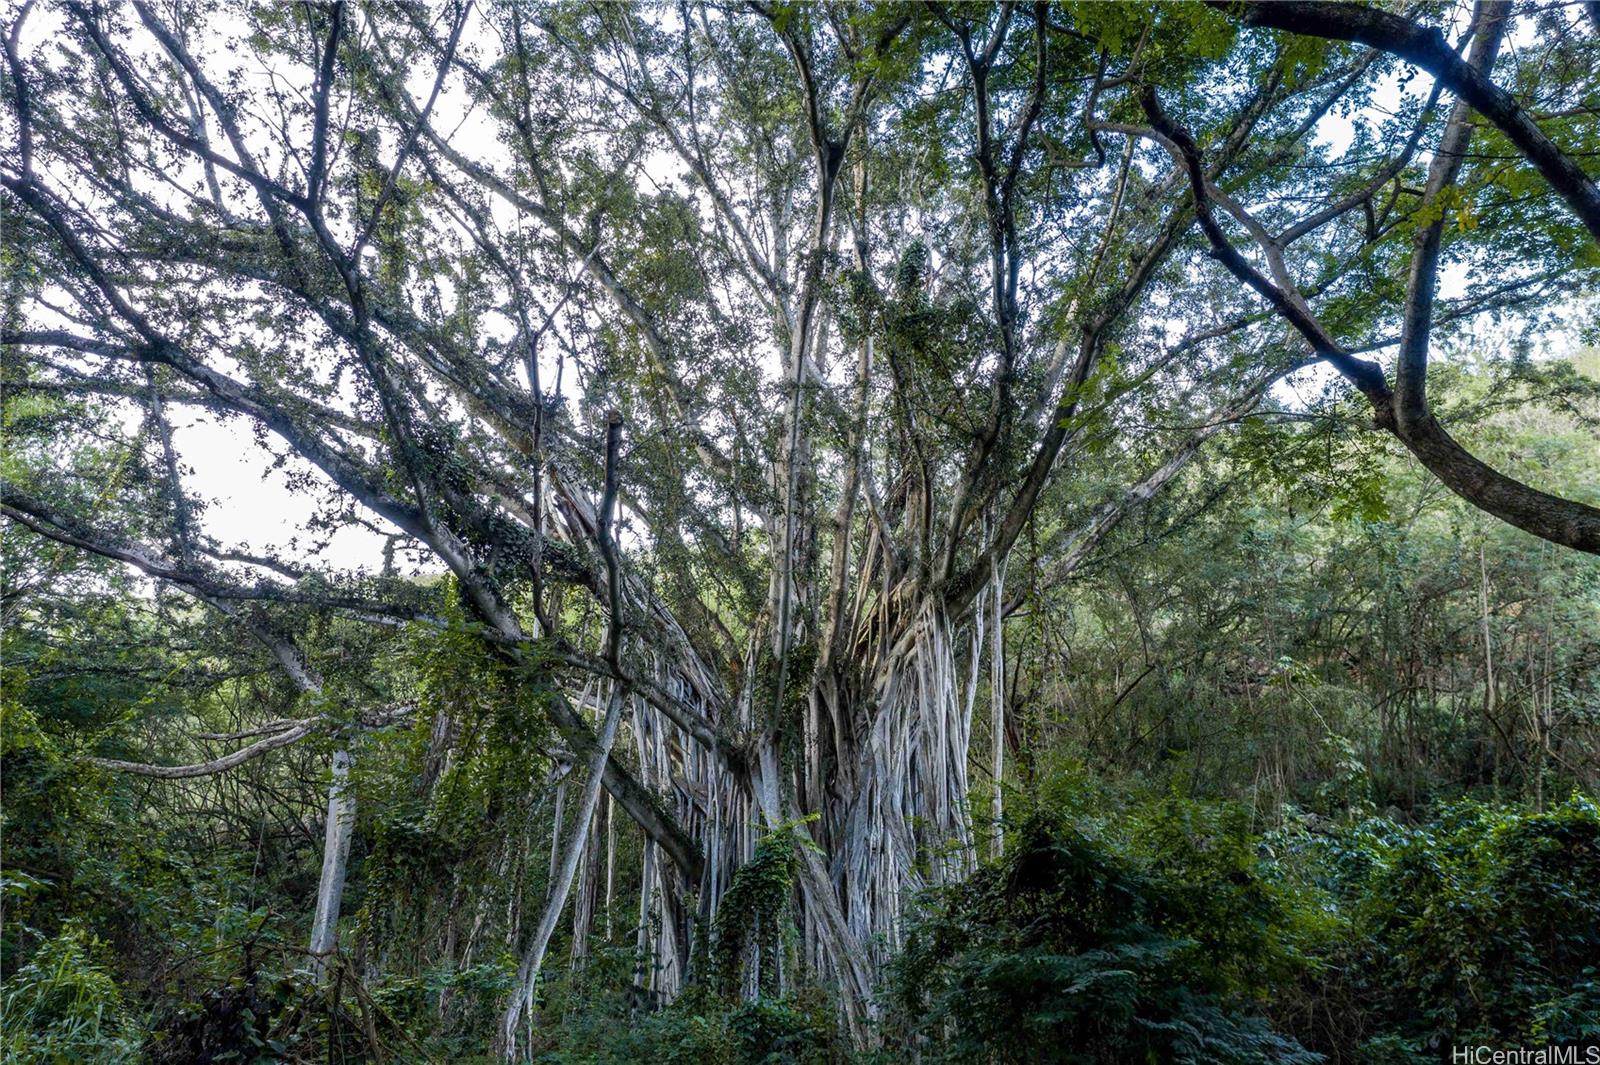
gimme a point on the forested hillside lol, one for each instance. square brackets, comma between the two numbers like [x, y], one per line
[799, 532]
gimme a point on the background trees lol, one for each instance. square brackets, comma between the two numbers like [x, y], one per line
[814, 425]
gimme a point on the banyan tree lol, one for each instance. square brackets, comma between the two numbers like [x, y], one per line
[733, 372]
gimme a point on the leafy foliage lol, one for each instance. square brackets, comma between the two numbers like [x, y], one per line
[1479, 927]
[893, 300]
[1070, 951]
[64, 1005]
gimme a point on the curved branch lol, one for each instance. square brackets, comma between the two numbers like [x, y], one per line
[1561, 521]
[1416, 330]
[278, 734]
[1426, 47]
[300, 731]
[72, 531]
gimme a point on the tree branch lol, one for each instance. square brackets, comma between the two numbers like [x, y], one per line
[1426, 47]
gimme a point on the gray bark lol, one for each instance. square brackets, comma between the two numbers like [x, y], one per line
[335, 860]
[533, 954]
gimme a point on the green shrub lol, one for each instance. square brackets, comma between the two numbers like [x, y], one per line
[1067, 950]
[1481, 927]
[1246, 929]
[64, 1007]
[702, 1027]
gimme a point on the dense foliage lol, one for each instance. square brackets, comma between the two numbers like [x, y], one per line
[796, 532]
[1266, 860]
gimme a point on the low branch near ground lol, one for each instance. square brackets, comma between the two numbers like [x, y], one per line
[299, 731]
